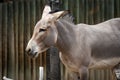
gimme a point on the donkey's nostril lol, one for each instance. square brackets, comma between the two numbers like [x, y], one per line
[29, 50]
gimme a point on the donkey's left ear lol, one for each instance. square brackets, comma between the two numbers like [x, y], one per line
[59, 14]
[46, 11]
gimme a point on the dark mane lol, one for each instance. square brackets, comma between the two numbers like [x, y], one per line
[54, 11]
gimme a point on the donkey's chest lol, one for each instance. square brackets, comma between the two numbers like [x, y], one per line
[69, 63]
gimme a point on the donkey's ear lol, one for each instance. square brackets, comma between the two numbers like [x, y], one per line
[59, 14]
[46, 11]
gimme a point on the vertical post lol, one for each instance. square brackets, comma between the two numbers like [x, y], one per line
[11, 39]
[54, 4]
[1, 41]
[27, 31]
[53, 64]
[41, 72]
[21, 40]
[52, 60]
[4, 39]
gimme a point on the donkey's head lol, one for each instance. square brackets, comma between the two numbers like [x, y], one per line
[45, 32]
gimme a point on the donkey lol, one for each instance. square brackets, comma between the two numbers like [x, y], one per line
[82, 46]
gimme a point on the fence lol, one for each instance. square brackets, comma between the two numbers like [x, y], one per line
[17, 20]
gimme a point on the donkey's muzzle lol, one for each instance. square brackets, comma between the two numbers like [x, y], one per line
[31, 52]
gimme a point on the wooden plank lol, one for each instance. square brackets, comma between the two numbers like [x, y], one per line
[95, 74]
[115, 8]
[27, 37]
[21, 41]
[74, 10]
[0, 41]
[102, 9]
[62, 71]
[107, 9]
[43, 3]
[48, 65]
[4, 39]
[15, 8]
[38, 13]
[108, 76]
[39, 10]
[33, 15]
[66, 7]
[83, 10]
[103, 71]
[112, 2]
[90, 11]
[78, 8]
[35, 68]
[97, 9]
[44, 65]
[86, 11]
[11, 53]
[118, 8]
[72, 7]
[55, 64]
[98, 74]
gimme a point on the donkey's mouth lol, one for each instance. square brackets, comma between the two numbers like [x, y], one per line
[33, 55]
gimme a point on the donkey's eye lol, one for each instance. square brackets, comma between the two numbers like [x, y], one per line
[42, 30]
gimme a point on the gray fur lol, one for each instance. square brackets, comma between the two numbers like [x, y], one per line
[89, 46]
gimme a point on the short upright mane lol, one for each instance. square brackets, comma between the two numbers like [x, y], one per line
[68, 17]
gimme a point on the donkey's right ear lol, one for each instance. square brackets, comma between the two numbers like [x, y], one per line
[59, 14]
[46, 11]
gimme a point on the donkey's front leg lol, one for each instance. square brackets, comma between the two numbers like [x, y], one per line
[83, 72]
[73, 76]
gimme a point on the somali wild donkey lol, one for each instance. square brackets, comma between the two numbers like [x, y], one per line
[82, 46]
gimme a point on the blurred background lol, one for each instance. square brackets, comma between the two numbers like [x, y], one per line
[17, 20]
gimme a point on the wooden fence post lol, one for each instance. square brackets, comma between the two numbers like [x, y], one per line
[53, 62]
[1, 41]
[4, 39]
[11, 44]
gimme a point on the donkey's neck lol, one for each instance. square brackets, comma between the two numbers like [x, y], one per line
[66, 35]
